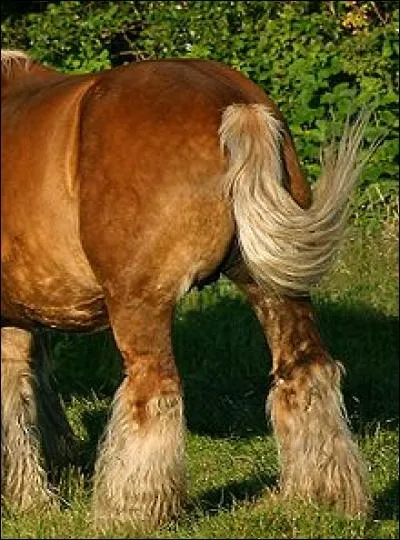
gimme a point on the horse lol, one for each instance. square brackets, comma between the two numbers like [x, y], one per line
[122, 190]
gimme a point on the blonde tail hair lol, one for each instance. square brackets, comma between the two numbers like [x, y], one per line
[286, 248]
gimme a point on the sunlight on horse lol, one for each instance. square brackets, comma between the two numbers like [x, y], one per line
[123, 189]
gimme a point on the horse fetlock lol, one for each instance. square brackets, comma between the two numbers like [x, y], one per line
[140, 474]
[319, 459]
[143, 504]
[23, 477]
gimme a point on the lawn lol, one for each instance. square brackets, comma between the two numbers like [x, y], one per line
[224, 363]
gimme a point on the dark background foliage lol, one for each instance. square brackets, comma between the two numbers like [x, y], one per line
[320, 61]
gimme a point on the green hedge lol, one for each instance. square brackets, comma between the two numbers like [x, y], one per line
[319, 61]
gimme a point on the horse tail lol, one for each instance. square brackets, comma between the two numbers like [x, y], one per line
[286, 248]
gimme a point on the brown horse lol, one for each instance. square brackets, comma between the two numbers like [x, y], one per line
[120, 191]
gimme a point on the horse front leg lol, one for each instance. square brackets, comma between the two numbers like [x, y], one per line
[24, 479]
[319, 459]
[140, 472]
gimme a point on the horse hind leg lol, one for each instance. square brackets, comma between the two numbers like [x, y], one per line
[140, 472]
[24, 479]
[319, 459]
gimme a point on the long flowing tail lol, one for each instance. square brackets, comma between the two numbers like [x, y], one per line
[285, 247]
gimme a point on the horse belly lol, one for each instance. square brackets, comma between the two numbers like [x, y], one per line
[50, 291]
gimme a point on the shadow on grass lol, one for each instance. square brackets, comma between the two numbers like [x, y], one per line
[224, 498]
[226, 383]
[224, 364]
[386, 504]
[94, 423]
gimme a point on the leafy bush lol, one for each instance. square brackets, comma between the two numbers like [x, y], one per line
[319, 61]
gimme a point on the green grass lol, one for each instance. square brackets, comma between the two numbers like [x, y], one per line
[231, 453]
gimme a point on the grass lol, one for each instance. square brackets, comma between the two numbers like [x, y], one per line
[231, 453]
